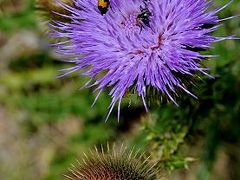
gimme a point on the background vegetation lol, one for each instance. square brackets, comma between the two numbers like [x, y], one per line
[46, 122]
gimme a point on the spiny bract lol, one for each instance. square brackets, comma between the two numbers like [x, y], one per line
[122, 51]
[115, 164]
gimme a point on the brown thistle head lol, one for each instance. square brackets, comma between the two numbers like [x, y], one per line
[114, 164]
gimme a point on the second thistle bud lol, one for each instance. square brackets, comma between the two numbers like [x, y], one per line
[114, 164]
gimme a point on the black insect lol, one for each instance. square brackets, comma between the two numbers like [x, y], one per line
[143, 17]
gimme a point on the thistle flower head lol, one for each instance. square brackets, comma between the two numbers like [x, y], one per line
[138, 44]
[115, 164]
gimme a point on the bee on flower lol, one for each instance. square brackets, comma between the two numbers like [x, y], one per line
[103, 6]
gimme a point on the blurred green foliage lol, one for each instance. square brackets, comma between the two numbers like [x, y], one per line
[21, 15]
[59, 117]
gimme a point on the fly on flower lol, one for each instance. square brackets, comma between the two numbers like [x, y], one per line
[103, 6]
[113, 54]
[143, 17]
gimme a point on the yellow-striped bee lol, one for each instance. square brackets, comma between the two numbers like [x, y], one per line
[103, 6]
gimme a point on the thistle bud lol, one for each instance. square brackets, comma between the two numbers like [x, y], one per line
[114, 164]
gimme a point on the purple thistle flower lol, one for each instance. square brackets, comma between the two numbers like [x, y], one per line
[123, 49]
